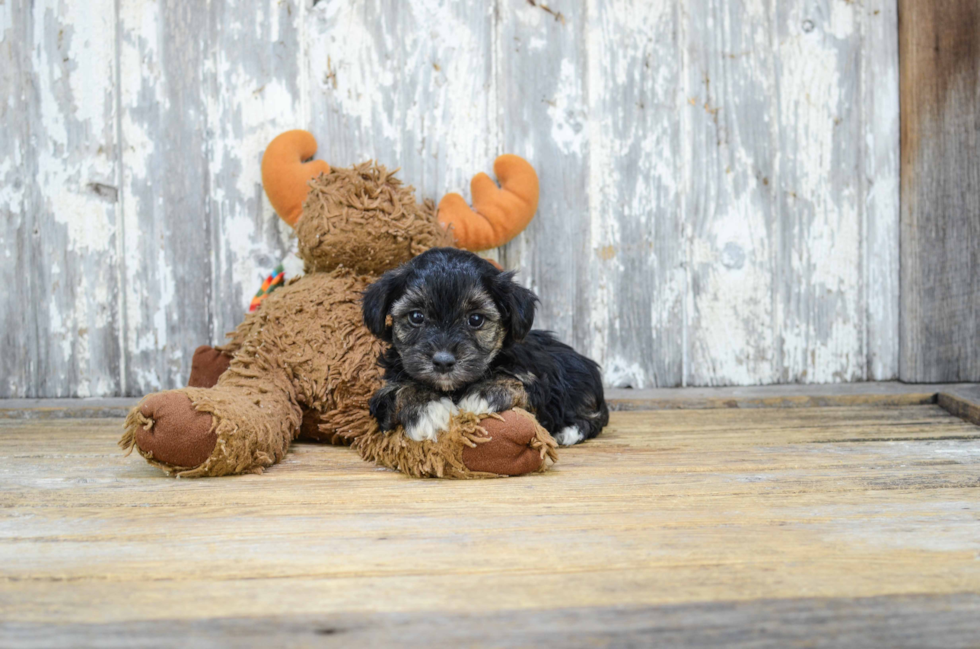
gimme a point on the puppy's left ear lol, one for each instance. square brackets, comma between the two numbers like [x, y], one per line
[377, 300]
[516, 305]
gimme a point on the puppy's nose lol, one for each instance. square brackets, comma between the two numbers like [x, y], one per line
[443, 361]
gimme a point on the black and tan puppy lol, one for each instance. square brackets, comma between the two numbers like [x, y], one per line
[461, 339]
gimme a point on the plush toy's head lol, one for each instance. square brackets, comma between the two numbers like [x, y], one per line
[363, 218]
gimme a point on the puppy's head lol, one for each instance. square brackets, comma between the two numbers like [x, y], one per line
[451, 313]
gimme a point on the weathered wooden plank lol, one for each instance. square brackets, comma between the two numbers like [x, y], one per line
[408, 83]
[880, 186]
[256, 89]
[898, 621]
[18, 234]
[803, 399]
[827, 457]
[66, 408]
[659, 248]
[167, 227]
[777, 263]
[635, 277]
[731, 216]
[964, 403]
[543, 100]
[768, 396]
[819, 308]
[62, 202]
[940, 180]
[666, 508]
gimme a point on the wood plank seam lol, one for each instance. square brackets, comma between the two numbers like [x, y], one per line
[962, 400]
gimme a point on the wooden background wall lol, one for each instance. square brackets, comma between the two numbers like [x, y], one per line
[719, 177]
[939, 44]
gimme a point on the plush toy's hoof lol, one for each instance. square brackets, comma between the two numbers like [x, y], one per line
[512, 449]
[503, 444]
[175, 433]
[206, 366]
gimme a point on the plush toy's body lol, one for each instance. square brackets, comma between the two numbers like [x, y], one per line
[303, 364]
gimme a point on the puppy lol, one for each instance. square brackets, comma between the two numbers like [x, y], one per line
[460, 339]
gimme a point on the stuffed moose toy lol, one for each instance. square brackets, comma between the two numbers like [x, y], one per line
[304, 365]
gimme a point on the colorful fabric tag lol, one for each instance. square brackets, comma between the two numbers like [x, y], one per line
[271, 283]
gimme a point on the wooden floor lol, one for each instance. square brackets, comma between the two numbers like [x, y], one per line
[762, 527]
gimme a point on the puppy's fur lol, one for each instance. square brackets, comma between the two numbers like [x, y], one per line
[461, 339]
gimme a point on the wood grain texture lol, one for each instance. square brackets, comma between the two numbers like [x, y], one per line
[18, 234]
[819, 308]
[544, 116]
[714, 510]
[62, 322]
[899, 621]
[255, 78]
[879, 185]
[949, 396]
[409, 84]
[718, 202]
[634, 324]
[166, 189]
[732, 215]
[940, 179]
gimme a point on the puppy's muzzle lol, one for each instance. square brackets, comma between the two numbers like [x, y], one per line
[443, 362]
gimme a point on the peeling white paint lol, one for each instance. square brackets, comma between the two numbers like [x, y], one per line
[698, 167]
[622, 373]
[410, 89]
[565, 109]
[822, 215]
[72, 195]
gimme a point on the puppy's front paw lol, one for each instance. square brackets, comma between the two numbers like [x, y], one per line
[569, 436]
[476, 403]
[431, 419]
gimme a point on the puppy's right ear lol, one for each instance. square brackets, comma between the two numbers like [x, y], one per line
[377, 300]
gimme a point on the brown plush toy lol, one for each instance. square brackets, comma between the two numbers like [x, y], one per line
[304, 364]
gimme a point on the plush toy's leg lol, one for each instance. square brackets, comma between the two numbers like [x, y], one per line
[505, 444]
[207, 366]
[224, 430]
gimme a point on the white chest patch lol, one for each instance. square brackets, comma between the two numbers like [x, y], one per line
[434, 419]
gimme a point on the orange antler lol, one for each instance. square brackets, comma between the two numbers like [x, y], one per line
[498, 214]
[286, 175]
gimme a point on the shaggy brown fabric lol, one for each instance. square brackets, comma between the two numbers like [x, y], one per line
[310, 429]
[365, 219]
[306, 348]
[207, 365]
[312, 330]
[508, 451]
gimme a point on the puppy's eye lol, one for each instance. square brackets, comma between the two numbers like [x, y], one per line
[416, 318]
[476, 320]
